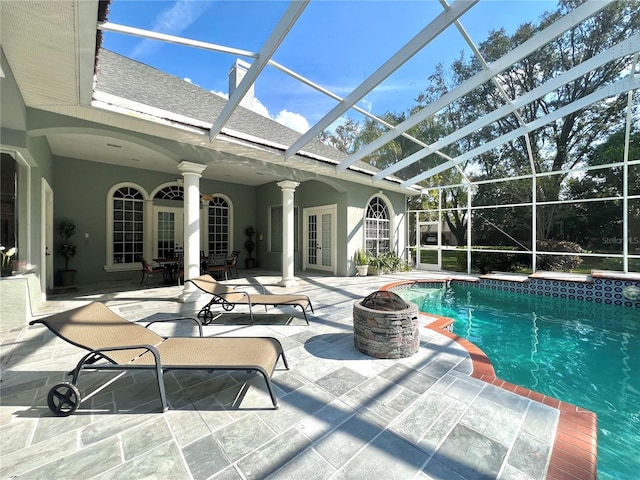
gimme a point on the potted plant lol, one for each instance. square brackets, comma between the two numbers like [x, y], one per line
[6, 264]
[250, 245]
[67, 251]
[375, 265]
[361, 260]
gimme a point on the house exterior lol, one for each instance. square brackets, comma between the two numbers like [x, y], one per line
[122, 151]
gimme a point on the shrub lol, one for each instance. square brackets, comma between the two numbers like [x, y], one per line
[559, 263]
[388, 262]
[485, 262]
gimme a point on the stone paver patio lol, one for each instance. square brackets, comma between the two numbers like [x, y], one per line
[342, 414]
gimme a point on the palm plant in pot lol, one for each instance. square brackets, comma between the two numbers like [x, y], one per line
[376, 264]
[67, 251]
[361, 259]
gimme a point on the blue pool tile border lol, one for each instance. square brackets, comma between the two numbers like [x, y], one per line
[597, 290]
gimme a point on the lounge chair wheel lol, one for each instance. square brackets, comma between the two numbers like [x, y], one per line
[228, 306]
[63, 399]
[206, 315]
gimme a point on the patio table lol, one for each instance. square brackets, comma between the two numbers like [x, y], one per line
[171, 269]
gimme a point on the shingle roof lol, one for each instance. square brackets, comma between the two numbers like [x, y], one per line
[126, 78]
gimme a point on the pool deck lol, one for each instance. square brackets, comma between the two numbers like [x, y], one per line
[438, 414]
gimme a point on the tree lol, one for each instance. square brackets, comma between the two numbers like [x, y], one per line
[604, 219]
[556, 147]
[344, 136]
[457, 218]
[562, 144]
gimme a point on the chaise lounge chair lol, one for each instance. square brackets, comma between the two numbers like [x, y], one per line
[229, 297]
[118, 344]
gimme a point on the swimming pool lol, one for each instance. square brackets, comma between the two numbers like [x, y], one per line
[587, 354]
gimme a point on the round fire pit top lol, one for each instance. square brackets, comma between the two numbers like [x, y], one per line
[384, 300]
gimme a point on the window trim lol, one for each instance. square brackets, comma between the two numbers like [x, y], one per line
[109, 266]
[204, 215]
[391, 219]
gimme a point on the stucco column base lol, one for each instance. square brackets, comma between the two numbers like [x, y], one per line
[288, 282]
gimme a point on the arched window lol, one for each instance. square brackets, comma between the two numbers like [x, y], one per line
[219, 234]
[170, 192]
[377, 227]
[128, 225]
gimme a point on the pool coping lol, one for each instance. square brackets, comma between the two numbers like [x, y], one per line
[574, 455]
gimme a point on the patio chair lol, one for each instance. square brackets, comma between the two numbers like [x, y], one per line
[148, 270]
[229, 296]
[217, 264]
[232, 262]
[118, 344]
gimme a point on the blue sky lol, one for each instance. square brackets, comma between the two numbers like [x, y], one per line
[336, 44]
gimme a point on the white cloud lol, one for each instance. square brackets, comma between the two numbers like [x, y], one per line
[294, 121]
[252, 103]
[366, 104]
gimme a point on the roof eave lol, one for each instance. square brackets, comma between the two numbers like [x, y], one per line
[199, 128]
[86, 38]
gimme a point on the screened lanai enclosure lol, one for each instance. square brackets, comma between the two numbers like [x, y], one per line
[521, 153]
[545, 172]
[526, 152]
[538, 168]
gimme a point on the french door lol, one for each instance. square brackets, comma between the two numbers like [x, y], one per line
[320, 238]
[168, 231]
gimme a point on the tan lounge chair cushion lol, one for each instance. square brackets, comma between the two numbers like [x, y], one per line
[209, 284]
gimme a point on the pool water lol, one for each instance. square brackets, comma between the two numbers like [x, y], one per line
[584, 353]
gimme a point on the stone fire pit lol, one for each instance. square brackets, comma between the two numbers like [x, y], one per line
[386, 326]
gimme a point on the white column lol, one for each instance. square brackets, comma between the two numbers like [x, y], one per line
[147, 248]
[191, 172]
[288, 187]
